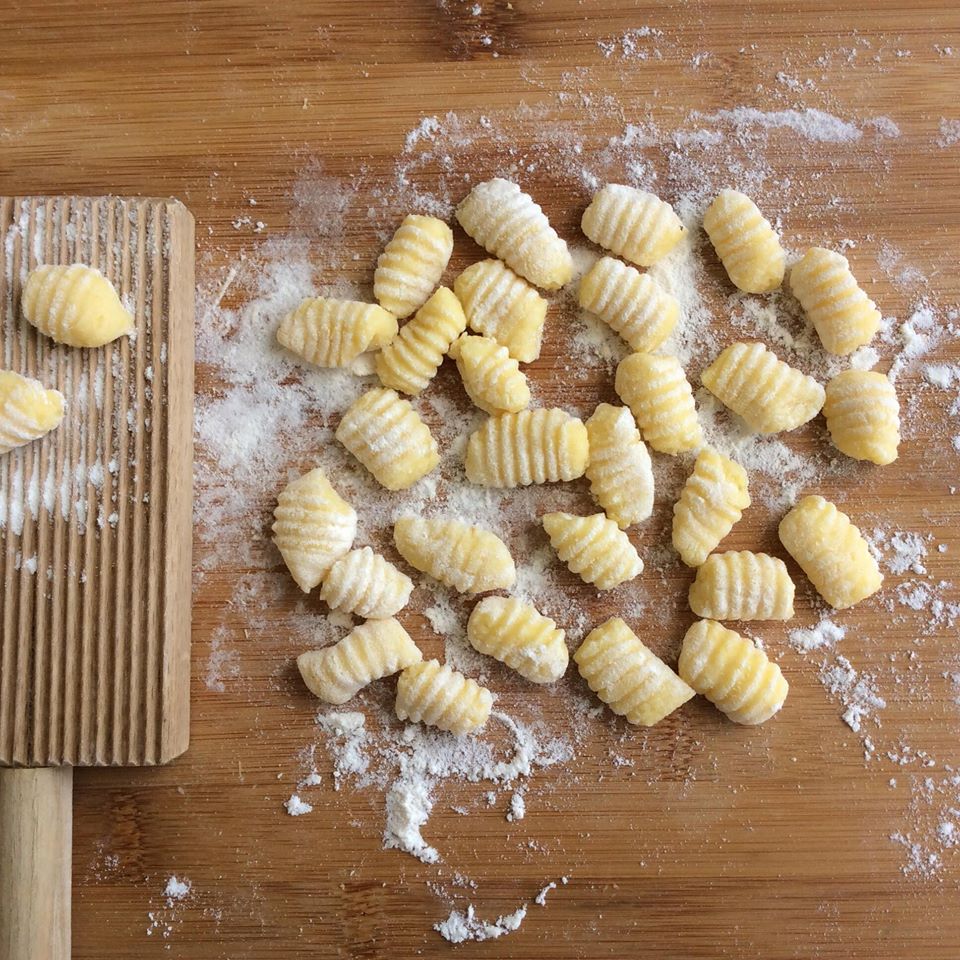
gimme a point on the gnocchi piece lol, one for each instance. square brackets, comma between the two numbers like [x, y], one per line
[732, 673]
[740, 585]
[531, 446]
[769, 394]
[411, 360]
[28, 410]
[364, 583]
[375, 649]
[508, 223]
[502, 306]
[517, 634]
[313, 527]
[76, 305]
[657, 392]
[746, 244]
[594, 548]
[619, 469]
[334, 333]
[845, 318]
[831, 551]
[632, 223]
[432, 693]
[467, 558]
[630, 303]
[711, 502]
[385, 433]
[863, 415]
[492, 378]
[412, 264]
[627, 677]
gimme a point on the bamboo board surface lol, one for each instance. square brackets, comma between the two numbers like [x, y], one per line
[94, 649]
[717, 841]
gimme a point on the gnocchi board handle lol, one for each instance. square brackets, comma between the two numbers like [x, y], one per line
[36, 833]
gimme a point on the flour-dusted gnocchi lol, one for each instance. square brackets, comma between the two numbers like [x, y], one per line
[334, 333]
[313, 527]
[517, 634]
[625, 675]
[629, 302]
[385, 433]
[769, 394]
[740, 585]
[411, 360]
[863, 415]
[364, 583]
[732, 673]
[656, 390]
[459, 555]
[412, 264]
[433, 693]
[509, 224]
[845, 318]
[831, 551]
[619, 469]
[532, 446]
[711, 502]
[492, 378]
[375, 649]
[28, 410]
[594, 548]
[76, 305]
[746, 244]
[503, 306]
[632, 223]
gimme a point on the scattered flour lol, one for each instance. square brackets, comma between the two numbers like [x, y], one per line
[459, 927]
[825, 635]
[297, 807]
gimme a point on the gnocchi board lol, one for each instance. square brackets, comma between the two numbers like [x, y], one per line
[717, 842]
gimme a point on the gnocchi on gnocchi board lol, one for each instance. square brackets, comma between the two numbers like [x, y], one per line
[694, 838]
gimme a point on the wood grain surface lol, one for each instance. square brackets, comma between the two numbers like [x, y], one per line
[95, 645]
[713, 840]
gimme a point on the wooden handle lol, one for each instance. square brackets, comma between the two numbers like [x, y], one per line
[36, 835]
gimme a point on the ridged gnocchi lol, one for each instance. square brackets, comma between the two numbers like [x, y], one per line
[500, 305]
[492, 378]
[711, 502]
[619, 468]
[740, 585]
[594, 548]
[732, 673]
[632, 223]
[532, 446]
[76, 305]
[333, 333]
[411, 360]
[517, 634]
[509, 224]
[767, 393]
[844, 317]
[313, 527]
[630, 303]
[657, 392]
[831, 551]
[863, 415]
[385, 433]
[28, 410]
[746, 244]
[412, 264]
[375, 649]
[635, 683]
[465, 557]
[433, 693]
[364, 583]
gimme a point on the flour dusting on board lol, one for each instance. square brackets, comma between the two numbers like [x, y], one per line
[271, 417]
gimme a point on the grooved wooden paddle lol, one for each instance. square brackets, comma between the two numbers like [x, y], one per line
[95, 542]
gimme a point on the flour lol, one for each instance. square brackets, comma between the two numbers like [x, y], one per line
[856, 692]
[177, 889]
[949, 133]
[459, 927]
[825, 635]
[297, 807]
